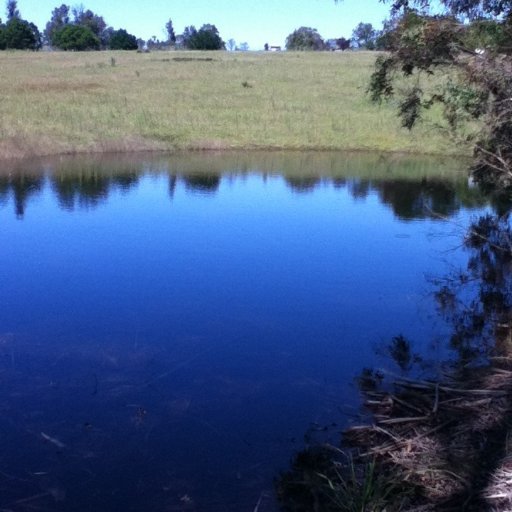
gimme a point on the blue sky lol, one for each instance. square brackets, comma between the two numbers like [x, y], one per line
[256, 22]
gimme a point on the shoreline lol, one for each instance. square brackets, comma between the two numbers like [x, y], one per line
[120, 148]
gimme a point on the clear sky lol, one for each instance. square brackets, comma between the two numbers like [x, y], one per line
[253, 21]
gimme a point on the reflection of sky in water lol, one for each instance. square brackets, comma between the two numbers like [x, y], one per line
[180, 344]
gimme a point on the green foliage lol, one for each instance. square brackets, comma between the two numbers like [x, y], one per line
[171, 36]
[343, 43]
[87, 18]
[20, 34]
[462, 102]
[318, 482]
[471, 9]
[364, 36]
[76, 37]
[410, 107]
[206, 38]
[2, 36]
[476, 85]
[418, 44]
[492, 75]
[12, 9]
[381, 84]
[488, 34]
[305, 38]
[425, 42]
[60, 18]
[122, 40]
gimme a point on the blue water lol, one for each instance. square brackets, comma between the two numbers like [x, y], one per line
[168, 337]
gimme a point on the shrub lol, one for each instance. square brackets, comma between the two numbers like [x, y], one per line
[76, 37]
[19, 34]
[122, 40]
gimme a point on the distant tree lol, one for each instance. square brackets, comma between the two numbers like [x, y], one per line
[343, 44]
[17, 33]
[121, 40]
[2, 35]
[266, 47]
[364, 36]
[92, 21]
[231, 45]
[207, 183]
[20, 34]
[12, 9]
[305, 38]
[188, 34]
[244, 47]
[155, 44]
[206, 38]
[384, 39]
[60, 18]
[76, 37]
[105, 37]
[171, 36]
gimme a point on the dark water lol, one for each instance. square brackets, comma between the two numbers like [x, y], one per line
[172, 330]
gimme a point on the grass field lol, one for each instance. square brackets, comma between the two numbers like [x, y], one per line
[55, 103]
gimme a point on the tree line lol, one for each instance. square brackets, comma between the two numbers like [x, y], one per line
[80, 29]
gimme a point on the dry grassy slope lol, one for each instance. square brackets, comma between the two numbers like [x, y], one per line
[115, 101]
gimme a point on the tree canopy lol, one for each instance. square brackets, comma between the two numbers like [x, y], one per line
[364, 36]
[12, 9]
[122, 40]
[206, 38]
[171, 35]
[84, 18]
[60, 18]
[76, 37]
[17, 33]
[481, 87]
[305, 38]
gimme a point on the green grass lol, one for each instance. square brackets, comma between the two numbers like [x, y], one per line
[115, 101]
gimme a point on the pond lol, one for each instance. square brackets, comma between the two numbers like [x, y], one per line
[173, 329]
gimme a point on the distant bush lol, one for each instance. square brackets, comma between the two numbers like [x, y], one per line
[305, 38]
[121, 40]
[206, 38]
[76, 37]
[18, 34]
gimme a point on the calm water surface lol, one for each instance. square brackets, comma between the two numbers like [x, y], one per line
[172, 330]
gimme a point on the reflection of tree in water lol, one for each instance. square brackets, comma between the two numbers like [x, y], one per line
[206, 183]
[339, 183]
[478, 302]
[302, 183]
[4, 189]
[438, 444]
[359, 189]
[409, 199]
[172, 185]
[126, 181]
[21, 186]
[88, 189]
[416, 200]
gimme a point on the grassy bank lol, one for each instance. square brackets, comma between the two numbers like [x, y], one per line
[56, 103]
